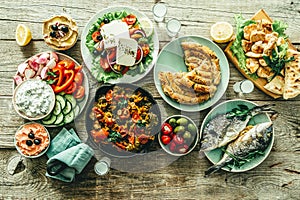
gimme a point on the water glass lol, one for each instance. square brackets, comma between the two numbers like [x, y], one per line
[173, 27]
[159, 11]
[102, 166]
[243, 87]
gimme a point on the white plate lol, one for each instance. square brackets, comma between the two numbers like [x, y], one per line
[171, 59]
[88, 57]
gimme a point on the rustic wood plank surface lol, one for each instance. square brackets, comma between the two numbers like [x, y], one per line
[278, 177]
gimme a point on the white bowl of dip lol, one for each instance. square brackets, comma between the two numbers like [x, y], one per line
[33, 99]
[32, 140]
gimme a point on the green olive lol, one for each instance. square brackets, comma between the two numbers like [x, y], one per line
[172, 122]
[179, 129]
[187, 135]
[192, 128]
[182, 121]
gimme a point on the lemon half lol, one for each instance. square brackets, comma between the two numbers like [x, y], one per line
[23, 35]
[147, 26]
[221, 32]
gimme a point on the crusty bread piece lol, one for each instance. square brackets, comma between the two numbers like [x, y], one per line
[292, 76]
[276, 85]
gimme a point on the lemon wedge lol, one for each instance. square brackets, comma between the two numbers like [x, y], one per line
[23, 35]
[147, 26]
[221, 32]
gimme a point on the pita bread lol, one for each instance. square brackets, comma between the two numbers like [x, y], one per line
[292, 76]
[276, 85]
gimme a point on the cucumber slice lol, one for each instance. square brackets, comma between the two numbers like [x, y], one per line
[67, 108]
[48, 117]
[69, 117]
[57, 108]
[61, 124]
[76, 110]
[71, 99]
[61, 100]
[49, 121]
[59, 119]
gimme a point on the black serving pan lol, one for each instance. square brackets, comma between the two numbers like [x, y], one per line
[111, 149]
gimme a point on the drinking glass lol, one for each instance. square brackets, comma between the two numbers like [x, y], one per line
[102, 166]
[173, 26]
[159, 11]
[243, 87]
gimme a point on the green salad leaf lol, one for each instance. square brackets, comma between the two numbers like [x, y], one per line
[236, 47]
[280, 27]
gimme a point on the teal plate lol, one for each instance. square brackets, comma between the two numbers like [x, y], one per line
[215, 155]
[171, 59]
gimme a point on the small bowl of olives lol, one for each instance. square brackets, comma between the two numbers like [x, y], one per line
[32, 140]
[178, 135]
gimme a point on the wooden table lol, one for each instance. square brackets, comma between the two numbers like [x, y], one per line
[276, 178]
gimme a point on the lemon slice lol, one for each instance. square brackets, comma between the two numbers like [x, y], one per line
[23, 35]
[147, 26]
[221, 32]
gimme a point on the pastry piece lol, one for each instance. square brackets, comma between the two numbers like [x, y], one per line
[276, 85]
[292, 76]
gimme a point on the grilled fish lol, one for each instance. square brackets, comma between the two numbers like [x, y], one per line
[257, 138]
[223, 129]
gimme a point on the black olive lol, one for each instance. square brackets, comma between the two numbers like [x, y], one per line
[53, 34]
[96, 52]
[106, 21]
[99, 37]
[29, 142]
[37, 141]
[31, 135]
[54, 27]
[65, 29]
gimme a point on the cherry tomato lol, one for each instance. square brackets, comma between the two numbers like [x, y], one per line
[166, 129]
[78, 78]
[165, 139]
[146, 49]
[71, 89]
[178, 139]
[79, 92]
[172, 146]
[182, 148]
[96, 36]
[130, 19]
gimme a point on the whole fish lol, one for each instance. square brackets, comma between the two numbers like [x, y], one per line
[257, 138]
[225, 128]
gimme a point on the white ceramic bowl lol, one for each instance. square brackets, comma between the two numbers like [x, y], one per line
[23, 137]
[192, 142]
[20, 87]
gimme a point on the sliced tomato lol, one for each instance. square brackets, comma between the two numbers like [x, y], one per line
[65, 64]
[104, 64]
[79, 93]
[78, 68]
[71, 89]
[95, 36]
[130, 19]
[138, 54]
[78, 78]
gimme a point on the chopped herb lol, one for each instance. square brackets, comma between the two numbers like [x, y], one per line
[51, 74]
[50, 81]
[114, 137]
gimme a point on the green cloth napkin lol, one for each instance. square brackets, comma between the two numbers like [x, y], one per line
[67, 148]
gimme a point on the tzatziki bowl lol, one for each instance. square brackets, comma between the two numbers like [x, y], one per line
[33, 99]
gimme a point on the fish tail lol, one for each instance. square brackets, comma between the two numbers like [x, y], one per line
[267, 108]
[213, 169]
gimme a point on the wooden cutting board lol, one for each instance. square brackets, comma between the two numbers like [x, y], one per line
[258, 82]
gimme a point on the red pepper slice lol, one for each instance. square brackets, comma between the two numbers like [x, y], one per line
[71, 89]
[67, 83]
[65, 64]
[60, 73]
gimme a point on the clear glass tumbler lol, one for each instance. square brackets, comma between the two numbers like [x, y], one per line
[159, 11]
[173, 27]
[102, 166]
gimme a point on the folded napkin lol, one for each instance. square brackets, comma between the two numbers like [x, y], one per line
[67, 156]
